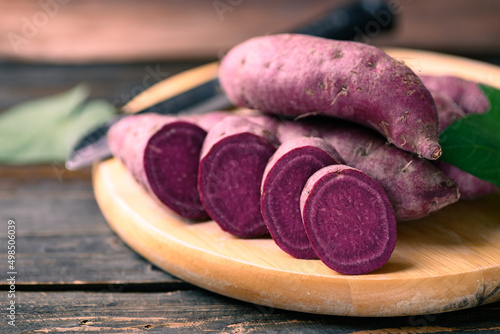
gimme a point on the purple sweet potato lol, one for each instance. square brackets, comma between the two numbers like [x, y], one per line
[414, 185]
[469, 185]
[349, 220]
[284, 178]
[448, 110]
[208, 120]
[465, 93]
[162, 153]
[233, 159]
[297, 75]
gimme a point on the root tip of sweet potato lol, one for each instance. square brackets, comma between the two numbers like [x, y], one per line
[436, 153]
[429, 149]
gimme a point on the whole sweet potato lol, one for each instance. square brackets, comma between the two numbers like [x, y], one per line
[469, 185]
[448, 110]
[298, 75]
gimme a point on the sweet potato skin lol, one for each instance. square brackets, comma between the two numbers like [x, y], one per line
[284, 178]
[465, 93]
[470, 186]
[349, 220]
[448, 110]
[208, 120]
[414, 185]
[298, 75]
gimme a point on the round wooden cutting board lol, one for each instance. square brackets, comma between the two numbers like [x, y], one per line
[447, 261]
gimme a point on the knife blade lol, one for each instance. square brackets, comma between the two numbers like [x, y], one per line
[343, 23]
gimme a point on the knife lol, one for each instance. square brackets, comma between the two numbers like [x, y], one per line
[343, 23]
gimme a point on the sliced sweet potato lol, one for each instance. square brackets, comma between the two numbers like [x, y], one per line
[233, 159]
[284, 178]
[349, 220]
[162, 153]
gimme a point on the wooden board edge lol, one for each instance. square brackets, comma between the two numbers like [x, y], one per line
[344, 296]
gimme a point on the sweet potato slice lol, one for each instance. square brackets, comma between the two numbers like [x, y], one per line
[162, 153]
[233, 159]
[284, 178]
[349, 220]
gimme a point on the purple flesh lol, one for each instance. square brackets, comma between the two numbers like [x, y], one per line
[230, 175]
[349, 220]
[162, 153]
[171, 165]
[292, 164]
[414, 185]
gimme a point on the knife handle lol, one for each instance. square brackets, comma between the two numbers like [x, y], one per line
[358, 20]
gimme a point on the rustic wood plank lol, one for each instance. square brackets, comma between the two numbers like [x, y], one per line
[201, 311]
[117, 83]
[80, 260]
[61, 236]
[49, 201]
[195, 29]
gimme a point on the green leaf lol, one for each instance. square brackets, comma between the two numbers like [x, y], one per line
[44, 130]
[473, 142]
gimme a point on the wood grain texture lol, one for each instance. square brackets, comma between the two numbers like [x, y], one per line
[61, 235]
[447, 261]
[149, 30]
[88, 261]
[116, 83]
[45, 189]
[457, 27]
[199, 311]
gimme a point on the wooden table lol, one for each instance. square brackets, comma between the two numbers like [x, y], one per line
[75, 275]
